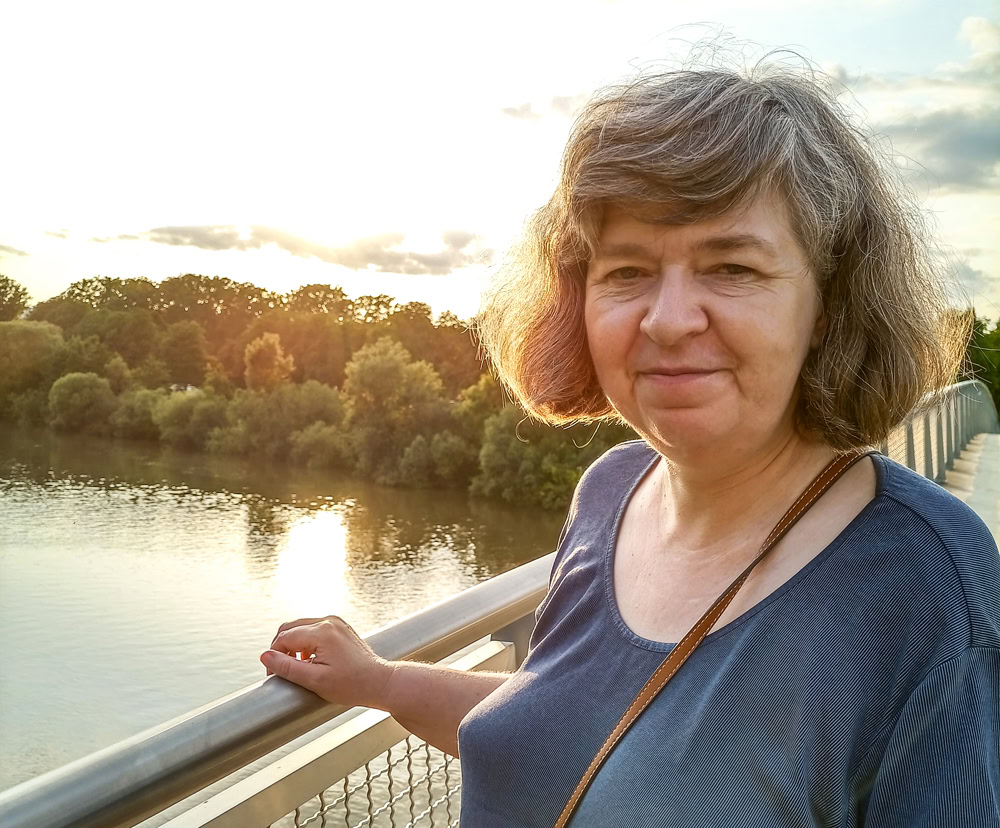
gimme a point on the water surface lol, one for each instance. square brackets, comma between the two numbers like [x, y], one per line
[138, 583]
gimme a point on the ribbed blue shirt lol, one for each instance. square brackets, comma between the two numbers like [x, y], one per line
[862, 692]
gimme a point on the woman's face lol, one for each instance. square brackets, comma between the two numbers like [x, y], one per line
[698, 332]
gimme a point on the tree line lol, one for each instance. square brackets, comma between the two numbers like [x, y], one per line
[368, 386]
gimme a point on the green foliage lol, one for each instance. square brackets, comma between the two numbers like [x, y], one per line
[321, 446]
[317, 343]
[983, 357]
[182, 350]
[455, 460]
[524, 462]
[389, 399]
[14, 299]
[132, 334]
[262, 423]
[85, 355]
[117, 373]
[30, 353]
[187, 419]
[153, 373]
[82, 402]
[134, 416]
[266, 363]
[217, 381]
[29, 408]
[68, 314]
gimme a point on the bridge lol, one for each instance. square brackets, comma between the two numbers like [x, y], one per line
[272, 754]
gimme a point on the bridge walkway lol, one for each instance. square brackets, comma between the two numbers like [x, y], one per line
[975, 479]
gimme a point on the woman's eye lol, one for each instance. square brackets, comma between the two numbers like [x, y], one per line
[624, 274]
[734, 272]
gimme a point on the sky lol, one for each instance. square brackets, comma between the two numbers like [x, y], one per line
[397, 147]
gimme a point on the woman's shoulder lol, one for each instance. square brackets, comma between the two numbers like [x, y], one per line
[620, 465]
[948, 541]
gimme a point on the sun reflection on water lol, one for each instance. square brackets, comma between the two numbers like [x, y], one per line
[311, 579]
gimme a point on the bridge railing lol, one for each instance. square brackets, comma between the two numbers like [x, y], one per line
[274, 754]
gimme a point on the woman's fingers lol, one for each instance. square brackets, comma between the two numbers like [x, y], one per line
[303, 673]
[300, 622]
[303, 640]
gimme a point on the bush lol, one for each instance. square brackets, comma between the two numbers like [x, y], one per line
[82, 402]
[263, 422]
[31, 354]
[187, 419]
[526, 462]
[134, 416]
[416, 466]
[321, 446]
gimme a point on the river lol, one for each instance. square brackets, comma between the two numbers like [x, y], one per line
[137, 583]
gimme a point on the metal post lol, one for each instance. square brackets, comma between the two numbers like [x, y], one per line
[939, 445]
[949, 428]
[928, 456]
[911, 451]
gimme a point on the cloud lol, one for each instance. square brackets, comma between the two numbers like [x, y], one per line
[960, 148]
[568, 105]
[58, 234]
[524, 112]
[11, 251]
[106, 239]
[381, 253]
[565, 106]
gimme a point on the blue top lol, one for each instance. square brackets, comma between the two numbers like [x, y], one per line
[863, 691]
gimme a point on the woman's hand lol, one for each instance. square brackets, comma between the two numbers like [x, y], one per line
[335, 663]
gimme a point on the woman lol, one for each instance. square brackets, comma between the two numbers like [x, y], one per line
[727, 267]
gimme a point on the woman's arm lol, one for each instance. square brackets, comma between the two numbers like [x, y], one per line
[338, 666]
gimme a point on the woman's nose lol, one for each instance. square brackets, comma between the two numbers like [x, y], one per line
[675, 309]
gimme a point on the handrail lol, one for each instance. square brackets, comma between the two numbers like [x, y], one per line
[143, 775]
[127, 782]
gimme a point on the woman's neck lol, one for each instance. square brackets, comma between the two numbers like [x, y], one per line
[700, 511]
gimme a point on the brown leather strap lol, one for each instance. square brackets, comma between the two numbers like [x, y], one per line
[679, 654]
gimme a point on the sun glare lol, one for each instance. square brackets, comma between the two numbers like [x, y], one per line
[312, 568]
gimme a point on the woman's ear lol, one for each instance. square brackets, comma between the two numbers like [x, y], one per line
[818, 329]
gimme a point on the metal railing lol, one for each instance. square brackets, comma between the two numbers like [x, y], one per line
[359, 765]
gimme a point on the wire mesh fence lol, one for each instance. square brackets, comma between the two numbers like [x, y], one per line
[411, 784]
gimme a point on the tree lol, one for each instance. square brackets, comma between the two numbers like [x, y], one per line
[30, 353]
[188, 418]
[13, 299]
[982, 359]
[132, 333]
[315, 341]
[266, 363]
[389, 399]
[326, 299]
[118, 374]
[82, 402]
[182, 350]
[68, 314]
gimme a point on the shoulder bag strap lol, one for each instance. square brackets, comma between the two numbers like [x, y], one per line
[679, 654]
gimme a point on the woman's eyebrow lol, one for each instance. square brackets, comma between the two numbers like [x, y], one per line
[737, 241]
[722, 243]
[623, 250]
